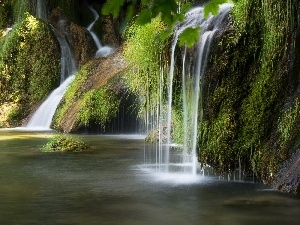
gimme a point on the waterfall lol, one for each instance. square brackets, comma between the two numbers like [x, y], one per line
[102, 51]
[67, 61]
[42, 118]
[193, 71]
[41, 9]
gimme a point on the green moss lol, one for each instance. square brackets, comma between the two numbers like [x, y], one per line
[10, 114]
[217, 142]
[288, 126]
[75, 91]
[65, 143]
[241, 113]
[28, 69]
[143, 50]
[5, 13]
[95, 106]
[98, 106]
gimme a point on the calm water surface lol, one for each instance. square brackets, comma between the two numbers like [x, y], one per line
[109, 185]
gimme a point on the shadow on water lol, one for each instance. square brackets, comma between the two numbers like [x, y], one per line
[111, 185]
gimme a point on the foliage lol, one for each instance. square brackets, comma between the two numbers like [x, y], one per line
[170, 11]
[189, 36]
[65, 143]
[216, 141]
[95, 106]
[143, 49]
[288, 125]
[74, 92]
[5, 13]
[177, 128]
[98, 106]
[241, 113]
[10, 114]
[213, 7]
[28, 70]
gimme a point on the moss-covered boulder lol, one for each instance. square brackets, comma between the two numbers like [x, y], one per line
[251, 91]
[94, 97]
[65, 143]
[29, 65]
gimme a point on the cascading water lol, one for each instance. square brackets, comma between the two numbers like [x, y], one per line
[67, 61]
[42, 118]
[102, 51]
[192, 75]
[41, 9]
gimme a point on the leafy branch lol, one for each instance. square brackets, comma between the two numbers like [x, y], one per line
[170, 11]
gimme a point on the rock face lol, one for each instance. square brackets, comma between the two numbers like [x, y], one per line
[288, 179]
[29, 67]
[109, 33]
[102, 70]
[78, 37]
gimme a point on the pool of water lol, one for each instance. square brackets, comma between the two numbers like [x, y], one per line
[111, 185]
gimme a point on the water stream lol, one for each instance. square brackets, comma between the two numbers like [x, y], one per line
[102, 50]
[111, 185]
[192, 75]
[42, 118]
[41, 9]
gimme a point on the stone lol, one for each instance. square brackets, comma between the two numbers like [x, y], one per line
[288, 178]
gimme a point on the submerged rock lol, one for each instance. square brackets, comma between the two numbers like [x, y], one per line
[288, 179]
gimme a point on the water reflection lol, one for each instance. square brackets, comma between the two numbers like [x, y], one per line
[110, 185]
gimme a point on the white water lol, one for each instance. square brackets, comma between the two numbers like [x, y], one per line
[192, 75]
[41, 9]
[102, 51]
[67, 61]
[42, 118]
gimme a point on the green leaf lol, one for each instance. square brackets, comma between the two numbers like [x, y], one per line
[130, 12]
[166, 33]
[145, 2]
[145, 16]
[185, 7]
[113, 7]
[212, 8]
[219, 2]
[189, 36]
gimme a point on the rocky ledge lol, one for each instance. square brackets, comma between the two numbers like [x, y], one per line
[288, 179]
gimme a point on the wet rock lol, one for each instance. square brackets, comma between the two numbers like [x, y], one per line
[288, 178]
[78, 37]
[109, 34]
[101, 71]
[155, 135]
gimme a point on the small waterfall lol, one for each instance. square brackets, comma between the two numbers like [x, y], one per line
[193, 71]
[42, 118]
[41, 9]
[102, 51]
[67, 61]
[20, 11]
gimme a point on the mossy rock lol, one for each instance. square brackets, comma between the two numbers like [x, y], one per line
[28, 70]
[65, 143]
